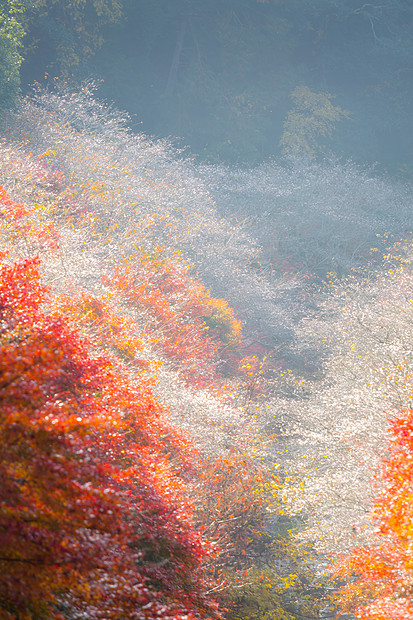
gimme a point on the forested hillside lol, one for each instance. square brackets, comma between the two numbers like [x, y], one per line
[205, 357]
[224, 77]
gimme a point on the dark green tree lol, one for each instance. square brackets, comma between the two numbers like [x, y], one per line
[11, 34]
[63, 36]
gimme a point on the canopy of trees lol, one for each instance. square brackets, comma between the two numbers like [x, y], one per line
[220, 76]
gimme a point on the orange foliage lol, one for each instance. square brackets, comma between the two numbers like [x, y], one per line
[383, 585]
[94, 512]
[177, 313]
[233, 515]
[93, 516]
[20, 225]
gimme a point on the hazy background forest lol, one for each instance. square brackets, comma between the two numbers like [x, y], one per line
[205, 309]
[219, 75]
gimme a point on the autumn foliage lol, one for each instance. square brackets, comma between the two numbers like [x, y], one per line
[380, 575]
[100, 497]
[178, 314]
[109, 332]
[93, 516]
